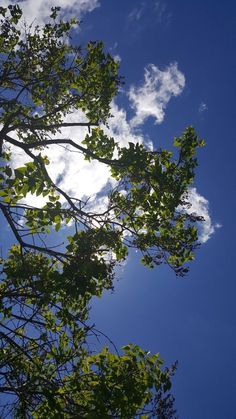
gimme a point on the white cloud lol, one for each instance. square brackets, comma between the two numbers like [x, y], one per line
[121, 129]
[152, 97]
[39, 10]
[72, 173]
[200, 206]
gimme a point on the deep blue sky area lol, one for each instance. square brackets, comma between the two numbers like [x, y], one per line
[191, 319]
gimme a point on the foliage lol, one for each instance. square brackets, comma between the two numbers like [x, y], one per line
[47, 366]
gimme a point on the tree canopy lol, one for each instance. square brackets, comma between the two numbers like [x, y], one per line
[48, 368]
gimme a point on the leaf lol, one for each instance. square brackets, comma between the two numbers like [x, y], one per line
[8, 171]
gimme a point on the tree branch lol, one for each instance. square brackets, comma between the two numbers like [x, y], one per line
[83, 150]
[36, 126]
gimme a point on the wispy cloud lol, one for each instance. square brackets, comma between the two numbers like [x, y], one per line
[150, 13]
[162, 12]
[136, 14]
[39, 10]
[152, 97]
[202, 107]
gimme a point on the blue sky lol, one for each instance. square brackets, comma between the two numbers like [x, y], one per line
[188, 51]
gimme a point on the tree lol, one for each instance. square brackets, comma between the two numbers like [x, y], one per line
[47, 366]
